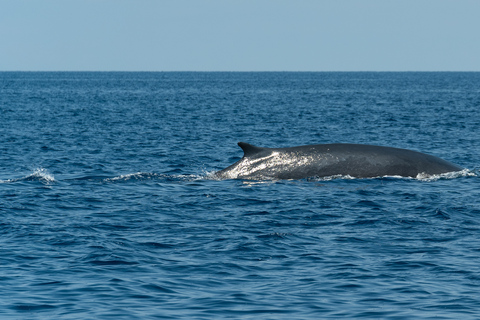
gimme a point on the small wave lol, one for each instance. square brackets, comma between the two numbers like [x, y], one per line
[39, 174]
[145, 176]
[448, 175]
[132, 176]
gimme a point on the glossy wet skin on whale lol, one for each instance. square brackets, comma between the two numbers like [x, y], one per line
[324, 160]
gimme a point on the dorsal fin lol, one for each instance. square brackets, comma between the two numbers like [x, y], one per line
[249, 150]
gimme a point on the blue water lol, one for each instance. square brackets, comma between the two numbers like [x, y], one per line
[109, 211]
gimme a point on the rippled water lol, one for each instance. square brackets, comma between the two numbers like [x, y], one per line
[108, 209]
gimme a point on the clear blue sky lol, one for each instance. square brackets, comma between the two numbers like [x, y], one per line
[240, 35]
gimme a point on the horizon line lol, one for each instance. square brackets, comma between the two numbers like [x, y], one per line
[243, 71]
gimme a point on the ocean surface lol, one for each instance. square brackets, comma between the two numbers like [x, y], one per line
[109, 209]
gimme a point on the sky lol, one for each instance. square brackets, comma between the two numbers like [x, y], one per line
[239, 35]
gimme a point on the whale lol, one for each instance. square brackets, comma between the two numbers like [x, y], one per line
[330, 160]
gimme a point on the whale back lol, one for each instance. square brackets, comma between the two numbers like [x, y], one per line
[323, 160]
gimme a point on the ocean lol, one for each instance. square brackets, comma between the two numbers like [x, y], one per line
[109, 208]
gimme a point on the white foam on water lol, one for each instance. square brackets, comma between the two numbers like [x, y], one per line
[447, 175]
[138, 176]
[40, 174]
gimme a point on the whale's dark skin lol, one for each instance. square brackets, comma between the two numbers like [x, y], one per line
[324, 160]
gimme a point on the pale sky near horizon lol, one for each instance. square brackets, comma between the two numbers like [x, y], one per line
[240, 35]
